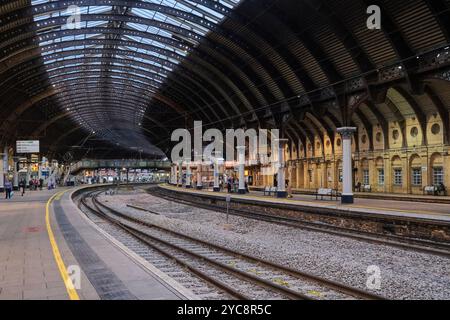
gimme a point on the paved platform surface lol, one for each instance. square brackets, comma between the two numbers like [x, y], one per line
[434, 211]
[28, 269]
[386, 196]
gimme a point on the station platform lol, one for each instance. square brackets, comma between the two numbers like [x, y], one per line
[388, 207]
[45, 239]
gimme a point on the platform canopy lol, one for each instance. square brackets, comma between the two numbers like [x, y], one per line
[111, 78]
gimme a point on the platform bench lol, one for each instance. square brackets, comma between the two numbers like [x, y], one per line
[367, 188]
[435, 190]
[270, 190]
[327, 193]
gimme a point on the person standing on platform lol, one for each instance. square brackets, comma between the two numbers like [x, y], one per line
[22, 186]
[41, 183]
[289, 189]
[8, 189]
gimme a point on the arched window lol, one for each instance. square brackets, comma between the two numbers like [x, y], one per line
[397, 176]
[437, 167]
[416, 170]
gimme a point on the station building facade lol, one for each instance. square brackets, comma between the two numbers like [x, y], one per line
[403, 155]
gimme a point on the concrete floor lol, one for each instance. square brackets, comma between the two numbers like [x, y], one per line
[28, 269]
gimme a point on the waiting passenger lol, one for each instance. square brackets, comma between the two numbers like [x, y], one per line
[22, 186]
[8, 189]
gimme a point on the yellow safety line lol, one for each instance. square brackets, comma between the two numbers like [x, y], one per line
[73, 295]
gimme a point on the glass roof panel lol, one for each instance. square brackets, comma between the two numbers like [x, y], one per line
[139, 51]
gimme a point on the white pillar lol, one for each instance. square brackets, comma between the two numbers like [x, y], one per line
[172, 174]
[180, 174]
[28, 176]
[39, 171]
[2, 174]
[241, 163]
[347, 167]
[199, 176]
[188, 173]
[216, 175]
[281, 180]
[175, 174]
[4, 170]
[15, 175]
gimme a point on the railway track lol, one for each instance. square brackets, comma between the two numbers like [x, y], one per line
[241, 276]
[192, 278]
[418, 245]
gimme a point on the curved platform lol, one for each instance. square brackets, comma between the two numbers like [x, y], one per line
[388, 206]
[369, 216]
[38, 256]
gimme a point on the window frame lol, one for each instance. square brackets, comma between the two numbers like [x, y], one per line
[441, 175]
[381, 174]
[416, 177]
[398, 183]
[366, 177]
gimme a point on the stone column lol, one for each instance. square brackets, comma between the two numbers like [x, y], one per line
[180, 174]
[199, 176]
[300, 182]
[241, 163]
[188, 173]
[28, 174]
[2, 173]
[5, 164]
[39, 171]
[347, 168]
[216, 187]
[16, 174]
[281, 187]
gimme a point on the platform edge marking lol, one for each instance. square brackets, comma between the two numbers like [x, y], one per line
[71, 291]
[148, 267]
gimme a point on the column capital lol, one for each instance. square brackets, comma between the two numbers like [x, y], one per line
[346, 132]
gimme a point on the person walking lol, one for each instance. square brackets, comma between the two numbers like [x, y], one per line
[22, 186]
[229, 185]
[8, 189]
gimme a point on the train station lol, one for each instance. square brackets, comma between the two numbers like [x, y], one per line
[219, 150]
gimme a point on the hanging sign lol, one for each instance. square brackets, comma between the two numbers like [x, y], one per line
[27, 146]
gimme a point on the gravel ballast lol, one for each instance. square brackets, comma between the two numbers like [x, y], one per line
[403, 274]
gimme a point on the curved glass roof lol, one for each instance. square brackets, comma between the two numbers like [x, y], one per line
[107, 67]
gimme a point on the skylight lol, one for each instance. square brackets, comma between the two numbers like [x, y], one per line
[133, 49]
